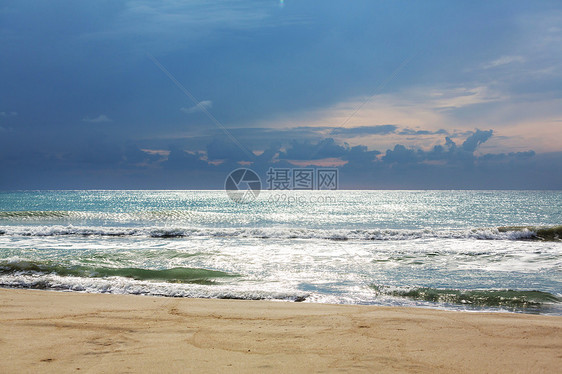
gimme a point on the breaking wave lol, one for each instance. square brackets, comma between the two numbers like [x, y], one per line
[481, 298]
[174, 275]
[552, 233]
[194, 288]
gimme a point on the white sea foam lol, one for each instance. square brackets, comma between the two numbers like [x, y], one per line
[119, 285]
[280, 233]
[403, 242]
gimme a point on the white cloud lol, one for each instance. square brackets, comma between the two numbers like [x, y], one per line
[181, 22]
[99, 119]
[202, 105]
[431, 108]
[519, 123]
[456, 98]
[503, 60]
[8, 114]
[537, 52]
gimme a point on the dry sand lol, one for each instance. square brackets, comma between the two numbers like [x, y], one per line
[43, 331]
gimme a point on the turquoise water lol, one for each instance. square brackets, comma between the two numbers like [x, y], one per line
[462, 250]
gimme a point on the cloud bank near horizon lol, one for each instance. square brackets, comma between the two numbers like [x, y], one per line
[100, 162]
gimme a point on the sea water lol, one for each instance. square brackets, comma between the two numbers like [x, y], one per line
[461, 250]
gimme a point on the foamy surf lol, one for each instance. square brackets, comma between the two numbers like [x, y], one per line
[553, 233]
[460, 250]
[507, 298]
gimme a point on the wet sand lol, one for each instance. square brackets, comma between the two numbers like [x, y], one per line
[45, 331]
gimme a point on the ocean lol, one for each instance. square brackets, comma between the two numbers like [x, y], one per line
[456, 250]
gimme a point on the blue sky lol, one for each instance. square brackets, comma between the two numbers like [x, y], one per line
[396, 94]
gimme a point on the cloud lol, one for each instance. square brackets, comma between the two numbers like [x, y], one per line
[181, 22]
[99, 119]
[263, 71]
[461, 97]
[360, 156]
[106, 162]
[324, 153]
[408, 131]
[320, 142]
[221, 148]
[365, 130]
[474, 140]
[200, 107]
[400, 154]
[8, 114]
[417, 116]
[327, 148]
[504, 60]
[500, 157]
[448, 153]
[179, 159]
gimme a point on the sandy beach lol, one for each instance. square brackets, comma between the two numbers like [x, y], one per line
[46, 331]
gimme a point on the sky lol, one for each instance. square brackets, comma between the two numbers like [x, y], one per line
[176, 94]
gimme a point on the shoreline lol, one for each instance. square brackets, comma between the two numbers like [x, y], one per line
[429, 306]
[51, 331]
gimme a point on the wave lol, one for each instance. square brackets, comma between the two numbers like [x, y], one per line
[129, 286]
[482, 298]
[173, 275]
[37, 215]
[551, 233]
